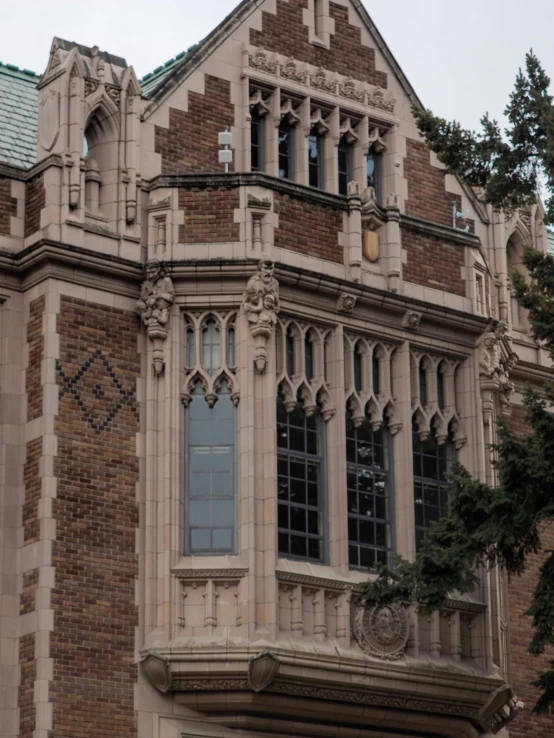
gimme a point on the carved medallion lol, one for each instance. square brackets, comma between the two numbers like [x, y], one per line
[382, 632]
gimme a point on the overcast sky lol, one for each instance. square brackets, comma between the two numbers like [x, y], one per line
[461, 57]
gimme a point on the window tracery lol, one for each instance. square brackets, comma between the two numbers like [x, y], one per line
[209, 356]
[368, 382]
[301, 367]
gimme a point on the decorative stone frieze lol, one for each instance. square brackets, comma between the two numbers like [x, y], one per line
[382, 632]
[321, 79]
[154, 307]
[261, 306]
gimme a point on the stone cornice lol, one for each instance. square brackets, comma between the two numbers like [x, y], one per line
[223, 575]
[444, 233]
[248, 179]
[23, 175]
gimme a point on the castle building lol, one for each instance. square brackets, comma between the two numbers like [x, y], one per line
[246, 325]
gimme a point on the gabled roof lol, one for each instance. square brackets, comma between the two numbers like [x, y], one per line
[18, 115]
[165, 83]
[153, 80]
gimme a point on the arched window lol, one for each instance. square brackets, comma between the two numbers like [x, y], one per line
[368, 489]
[431, 463]
[210, 495]
[358, 370]
[290, 353]
[308, 358]
[300, 469]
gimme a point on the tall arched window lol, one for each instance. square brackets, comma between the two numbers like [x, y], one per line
[300, 503]
[368, 489]
[210, 502]
[431, 463]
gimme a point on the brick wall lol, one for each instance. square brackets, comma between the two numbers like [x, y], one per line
[308, 228]
[190, 144]
[427, 197]
[433, 263]
[286, 33]
[34, 202]
[26, 700]
[92, 645]
[209, 215]
[35, 341]
[523, 666]
[8, 205]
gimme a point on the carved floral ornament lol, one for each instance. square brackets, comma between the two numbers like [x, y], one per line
[154, 306]
[321, 79]
[261, 306]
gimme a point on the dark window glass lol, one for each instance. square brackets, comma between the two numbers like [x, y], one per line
[190, 357]
[315, 154]
[431, 463]
[367, 483]
[376, 375]
[299, 483]
[256, 142]
[358, 380]
[286, 150]
[422, 386]
[374, 174]
[291, 364]
[440, 390]
[326, 359]
[309, 357]
[210, 493]
[345, 165]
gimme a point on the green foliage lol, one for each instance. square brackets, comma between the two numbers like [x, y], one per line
[506, 168]
[500, 526]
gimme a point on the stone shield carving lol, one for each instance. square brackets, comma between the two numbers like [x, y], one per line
[49, 128]
[157, 671]
[262, 670]
[381, 631]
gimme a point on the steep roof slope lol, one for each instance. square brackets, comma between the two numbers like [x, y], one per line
[18, 115]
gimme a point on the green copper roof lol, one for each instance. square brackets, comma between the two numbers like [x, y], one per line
[18, 115]
[152, 80]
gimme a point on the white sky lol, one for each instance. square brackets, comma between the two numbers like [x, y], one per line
[461, 57]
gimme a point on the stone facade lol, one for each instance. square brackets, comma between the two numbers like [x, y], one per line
[180, 555]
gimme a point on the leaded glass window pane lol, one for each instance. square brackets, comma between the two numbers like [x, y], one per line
[358, 379]
[257, 143]
[286, 150]
[315, 158]
[210, 491]
[369, 507]
[344, 165]
[309, 358]
[299, 484]
[376, 368]
[431, 462]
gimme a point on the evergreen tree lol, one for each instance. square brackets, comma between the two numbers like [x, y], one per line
[499, 526]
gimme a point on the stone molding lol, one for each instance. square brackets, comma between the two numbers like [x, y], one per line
[445, 233]
[222, 575]
[309, 581]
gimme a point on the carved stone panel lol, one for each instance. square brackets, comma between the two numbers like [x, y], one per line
[381, 632]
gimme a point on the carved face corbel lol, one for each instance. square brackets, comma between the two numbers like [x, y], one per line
[375, 141]
[288, 113]
[347, 131]
[258, 103]
[318, 122]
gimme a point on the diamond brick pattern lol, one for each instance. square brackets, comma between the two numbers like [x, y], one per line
[98, 420]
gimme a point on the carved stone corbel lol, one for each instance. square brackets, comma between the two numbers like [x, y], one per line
[154, 306]
[261, 306]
